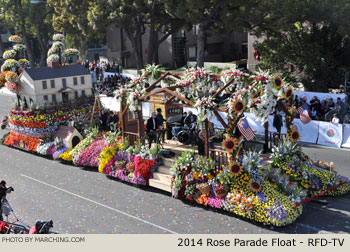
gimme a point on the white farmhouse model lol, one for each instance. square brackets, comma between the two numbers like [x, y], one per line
[55, 84]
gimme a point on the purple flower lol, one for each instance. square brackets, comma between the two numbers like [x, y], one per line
[261, 197]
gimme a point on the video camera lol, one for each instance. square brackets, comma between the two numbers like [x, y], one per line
[45, 226]
[11, 189]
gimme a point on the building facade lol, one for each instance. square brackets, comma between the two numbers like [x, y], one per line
[55, 85]
[178, 48]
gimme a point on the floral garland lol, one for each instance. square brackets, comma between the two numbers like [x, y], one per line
[9, 54]
[58, 37]
[70, 52]
[3, 78]
[15, 39]
[19, 47]
[9, 64]
[53, 58]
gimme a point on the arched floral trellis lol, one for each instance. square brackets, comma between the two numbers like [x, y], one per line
[234, 92]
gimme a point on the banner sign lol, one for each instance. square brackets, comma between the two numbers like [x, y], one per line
[308, 132]
[346, 136]
[330, 134]
[110, 103]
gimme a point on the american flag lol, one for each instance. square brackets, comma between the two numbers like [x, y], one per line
[245, 129]
[304, 114]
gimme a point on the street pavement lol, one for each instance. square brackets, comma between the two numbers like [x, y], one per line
[85, 201]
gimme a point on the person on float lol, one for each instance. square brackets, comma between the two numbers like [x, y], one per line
[184, 116]
[103, 120]
[160, 120]
[190, 119]
[113, 121]
[201, 139]
[277, 121]
[335, 119]
[152, 127]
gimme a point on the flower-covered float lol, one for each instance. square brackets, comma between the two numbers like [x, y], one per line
[33, 127]
[238, 186]
[114, 156]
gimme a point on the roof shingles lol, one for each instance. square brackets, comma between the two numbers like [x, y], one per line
[44, 73]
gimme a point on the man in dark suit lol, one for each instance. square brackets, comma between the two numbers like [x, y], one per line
[160, 120]
[152, 126]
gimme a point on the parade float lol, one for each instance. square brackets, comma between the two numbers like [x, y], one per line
[268, 189]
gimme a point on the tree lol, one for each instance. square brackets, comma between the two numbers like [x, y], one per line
[16, 13]
[134, 17]
[70, 17]
[307, 41]
[40, 17]
[206, 15]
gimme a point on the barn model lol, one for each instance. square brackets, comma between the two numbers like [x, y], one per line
[54, 84]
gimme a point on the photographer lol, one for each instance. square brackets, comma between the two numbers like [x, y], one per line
[3, 191]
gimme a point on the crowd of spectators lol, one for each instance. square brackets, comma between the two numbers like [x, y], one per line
[318, 109]
[109, 84]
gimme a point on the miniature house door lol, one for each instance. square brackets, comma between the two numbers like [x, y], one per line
[65, 97]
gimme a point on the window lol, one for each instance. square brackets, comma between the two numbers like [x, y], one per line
[75, 81]
[44, 84]
[76, 95]
[52, 83]
[82, 92]
[82, 80]
[53, 98]
[64, 83]
[46, 98]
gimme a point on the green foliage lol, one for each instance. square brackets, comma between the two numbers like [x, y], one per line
[307, 41]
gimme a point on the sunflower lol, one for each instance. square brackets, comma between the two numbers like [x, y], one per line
[288, 93]
[294, 135]
[277, 81]
[235, 169]
[238, 106]
[254, 186]
[230, 144]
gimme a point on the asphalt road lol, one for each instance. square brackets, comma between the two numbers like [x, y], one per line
[85, 201]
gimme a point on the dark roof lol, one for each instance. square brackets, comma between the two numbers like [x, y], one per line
[43, 73]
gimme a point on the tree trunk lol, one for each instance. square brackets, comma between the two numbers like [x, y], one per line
[28, 47]
[151, 44]
[2, 48]
[83, 50]
[135, 44]
[201, 37]
[42, 44]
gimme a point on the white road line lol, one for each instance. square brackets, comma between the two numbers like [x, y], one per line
[102, 205]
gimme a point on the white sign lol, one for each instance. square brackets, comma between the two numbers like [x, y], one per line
[308, 132]
[330, 134]
[346, 136]
[110, 103]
